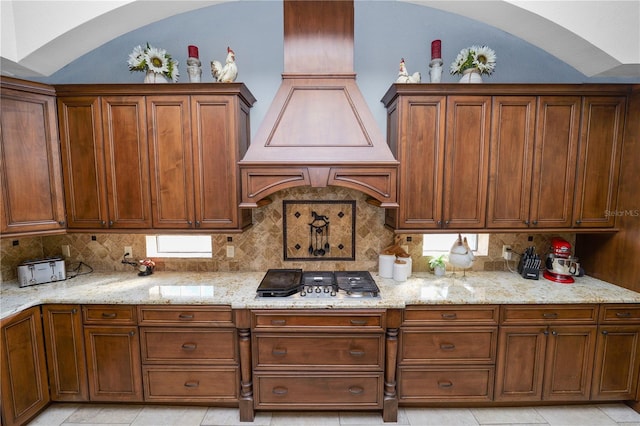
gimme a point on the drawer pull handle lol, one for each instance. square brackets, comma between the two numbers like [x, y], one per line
[445, 384]
[193, 384]
[551, 315]
[109, 315]
[623, 314]
[356, 390]
[185, 316]
[449, 316]
[280, 390]
[447, 346]
[358, 322]
[279, 352]
[356, 352]
[189, 346]
[278, 322]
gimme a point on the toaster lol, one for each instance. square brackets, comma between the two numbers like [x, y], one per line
[40, 271]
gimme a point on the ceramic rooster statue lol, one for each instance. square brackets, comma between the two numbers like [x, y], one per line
[228, 72]
[404, 77]
[461, 255]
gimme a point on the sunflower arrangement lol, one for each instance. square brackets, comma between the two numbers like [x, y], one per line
[480, 57]
[153, 59]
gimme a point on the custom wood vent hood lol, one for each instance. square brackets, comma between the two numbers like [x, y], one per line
[319, 130]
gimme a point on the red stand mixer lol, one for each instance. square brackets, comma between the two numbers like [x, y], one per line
[561, 265]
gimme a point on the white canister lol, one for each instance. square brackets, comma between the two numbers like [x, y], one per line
[409, 262]
[385, 265]
[400, 270]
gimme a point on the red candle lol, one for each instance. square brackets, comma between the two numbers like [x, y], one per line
[436, 49]
[193, 51]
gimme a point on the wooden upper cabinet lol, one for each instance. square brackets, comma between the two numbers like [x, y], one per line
[599, 161]
[105, 161]
[466, 166]
[557, 131]
[420, 150]
[169, 125]
[32, 197]
[196, 142]
[511, 164]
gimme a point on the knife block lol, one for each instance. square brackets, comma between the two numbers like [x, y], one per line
[528, 273]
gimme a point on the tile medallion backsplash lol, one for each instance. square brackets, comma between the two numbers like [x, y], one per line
[258, 248]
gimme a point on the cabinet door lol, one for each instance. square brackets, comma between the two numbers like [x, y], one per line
[556, 147]
[127, 161]
[520, 363]
[215, 161]
[466, 161]
[24, 372]
[599, 161]
[83, 162]
[65, 352]
[421, 153]
[512, 139]
[617, 363]
[30, 174]
[171, 166]
[568, 365]
[113, 363]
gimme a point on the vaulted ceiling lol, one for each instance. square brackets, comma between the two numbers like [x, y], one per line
[596, 38]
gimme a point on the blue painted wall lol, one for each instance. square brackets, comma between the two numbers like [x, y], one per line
[385, 31]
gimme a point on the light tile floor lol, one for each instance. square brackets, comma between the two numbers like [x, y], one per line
[158, 415]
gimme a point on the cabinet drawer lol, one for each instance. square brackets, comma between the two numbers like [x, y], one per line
[448, 344]
[188, 346]
[190, 383]
[331, 391]
[614, 314]
[421, 315]
[446, 384]
[321, 319]
[207, 316]
[548, 314]
[109, 314]
[317, 351]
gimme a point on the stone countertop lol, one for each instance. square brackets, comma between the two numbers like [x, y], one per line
[238, 289]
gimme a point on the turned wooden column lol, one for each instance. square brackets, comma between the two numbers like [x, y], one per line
[390, 403]
[245, 402]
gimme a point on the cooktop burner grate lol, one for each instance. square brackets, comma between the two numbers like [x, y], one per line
[356, 283]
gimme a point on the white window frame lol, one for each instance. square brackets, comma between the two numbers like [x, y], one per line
[444, 246]
[184, 246]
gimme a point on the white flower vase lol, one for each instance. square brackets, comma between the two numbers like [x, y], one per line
[439, 271]
[470, 75]
[153, 77]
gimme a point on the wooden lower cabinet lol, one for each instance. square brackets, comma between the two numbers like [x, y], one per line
[189, 354]
[23, 367]
[66, 360]
[551, 361]
[617, 365]
[447, 354]
[312, 359]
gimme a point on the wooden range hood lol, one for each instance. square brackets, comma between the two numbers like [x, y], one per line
[319, 130]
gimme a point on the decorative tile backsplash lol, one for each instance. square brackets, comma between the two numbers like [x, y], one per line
[261, 246]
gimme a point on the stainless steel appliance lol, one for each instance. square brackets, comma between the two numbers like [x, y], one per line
[322, 284]
[40, 271]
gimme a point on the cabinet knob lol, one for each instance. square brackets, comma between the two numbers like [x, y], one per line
[555, 333]
[526, 222]
[110, 223]
[61, 223]
[578, 222]
[189, 223]
[74, 311]
[535, 222]
[446, 223]
[439, 223]
[103, 223]
[605, 332]
[189, 346]
[546, 332]
[197, 224]
[132, 333]
[280, 390]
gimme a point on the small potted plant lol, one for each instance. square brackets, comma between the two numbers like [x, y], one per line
[437, 264]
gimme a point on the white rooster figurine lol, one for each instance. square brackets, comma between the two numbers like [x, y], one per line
[229, 72]
[461, 255]
[404, 77]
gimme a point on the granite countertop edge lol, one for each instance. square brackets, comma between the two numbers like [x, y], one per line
[237, 289]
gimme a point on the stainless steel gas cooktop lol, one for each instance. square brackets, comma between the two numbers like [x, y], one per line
[321, 284]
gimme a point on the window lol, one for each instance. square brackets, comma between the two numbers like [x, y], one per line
[437, 244]
[179, 246]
